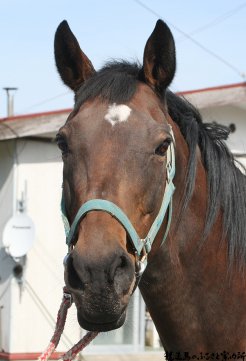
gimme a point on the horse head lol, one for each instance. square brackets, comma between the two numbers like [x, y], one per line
[114, 148]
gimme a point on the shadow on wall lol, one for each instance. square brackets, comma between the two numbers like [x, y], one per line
[7, 266]
[37, 151]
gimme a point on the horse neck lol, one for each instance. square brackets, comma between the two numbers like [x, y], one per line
[167, 285]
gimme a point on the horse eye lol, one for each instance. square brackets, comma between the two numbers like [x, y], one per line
[62, 144]
[162, 148]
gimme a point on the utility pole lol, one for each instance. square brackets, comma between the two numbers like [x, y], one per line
[10, 100]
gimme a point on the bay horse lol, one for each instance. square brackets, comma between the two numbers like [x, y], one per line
[115, 147]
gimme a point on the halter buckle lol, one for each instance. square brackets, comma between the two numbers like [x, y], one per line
[147, 245]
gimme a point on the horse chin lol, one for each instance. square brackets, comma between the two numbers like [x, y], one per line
[100, 326]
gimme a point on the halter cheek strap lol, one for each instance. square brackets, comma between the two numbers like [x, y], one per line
[142, 246]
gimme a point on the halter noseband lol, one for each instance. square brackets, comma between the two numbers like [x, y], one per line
[142, 246]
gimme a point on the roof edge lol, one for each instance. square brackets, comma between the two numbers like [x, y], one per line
[219, 87]
[36, 115]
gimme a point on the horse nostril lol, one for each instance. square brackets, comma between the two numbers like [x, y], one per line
[118, 266]
[122, 274]
[73, 278]
[124, 262]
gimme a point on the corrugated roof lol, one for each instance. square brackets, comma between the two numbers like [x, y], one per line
[234, 94]
[41, 124]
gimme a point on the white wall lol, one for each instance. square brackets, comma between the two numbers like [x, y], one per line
[230, 115]
[227, 115]
[6, 209]
[28, 318]
[41, 170]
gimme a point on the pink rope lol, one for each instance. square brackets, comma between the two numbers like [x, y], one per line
[60, 323]
[70, 355]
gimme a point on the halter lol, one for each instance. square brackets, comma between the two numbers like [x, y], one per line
[142, 246]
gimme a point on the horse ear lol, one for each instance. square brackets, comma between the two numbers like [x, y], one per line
[73, 65]
[159, 61]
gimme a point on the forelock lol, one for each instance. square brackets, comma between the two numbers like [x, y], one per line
[116, 83]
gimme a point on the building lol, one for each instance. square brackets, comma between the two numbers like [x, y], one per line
[30, 180]
[225, 105]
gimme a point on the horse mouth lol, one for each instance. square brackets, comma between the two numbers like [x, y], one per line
[90, 325]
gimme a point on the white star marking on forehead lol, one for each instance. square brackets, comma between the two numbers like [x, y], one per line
[117, 113]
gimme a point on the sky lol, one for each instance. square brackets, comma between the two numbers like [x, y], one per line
[209, 36]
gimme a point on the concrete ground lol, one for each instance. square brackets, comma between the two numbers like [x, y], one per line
[146, 356]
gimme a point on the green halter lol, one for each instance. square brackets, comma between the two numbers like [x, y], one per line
[141, 245]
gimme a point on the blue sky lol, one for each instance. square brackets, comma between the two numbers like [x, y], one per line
[116, 29]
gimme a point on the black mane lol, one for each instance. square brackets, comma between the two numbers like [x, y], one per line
[226, 183]
[117, 82]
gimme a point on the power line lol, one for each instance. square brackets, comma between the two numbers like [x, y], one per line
[218, 19]
[48, 100]
[197, 43]
[6, 289]
[6, 126]
[46, 313]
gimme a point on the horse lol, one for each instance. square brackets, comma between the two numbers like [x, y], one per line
[116, 147]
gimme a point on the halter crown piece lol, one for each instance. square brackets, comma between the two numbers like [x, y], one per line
[142, 246]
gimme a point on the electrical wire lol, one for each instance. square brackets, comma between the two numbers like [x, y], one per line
[49, 318]
[4, 125]
[197, 43]
[5, 289]
[41, 252]
[45, 101]
[217, 20]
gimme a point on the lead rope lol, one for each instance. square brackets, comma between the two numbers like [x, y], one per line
[60, 323]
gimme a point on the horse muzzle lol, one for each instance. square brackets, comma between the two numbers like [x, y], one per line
[101, 289]
[100, 324]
